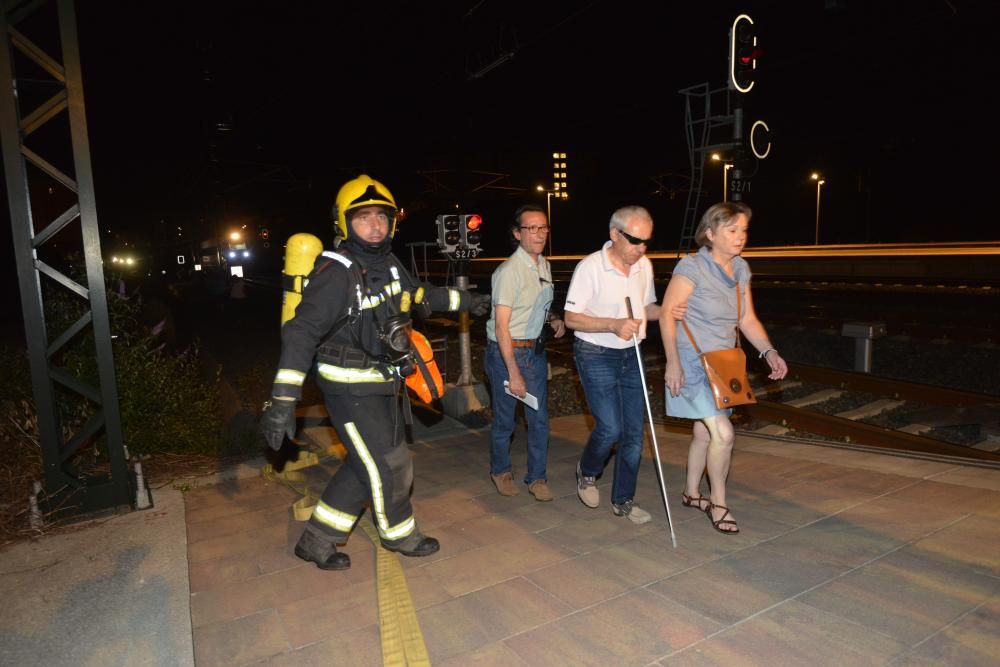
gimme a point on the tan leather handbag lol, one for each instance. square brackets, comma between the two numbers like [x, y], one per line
[726, 370]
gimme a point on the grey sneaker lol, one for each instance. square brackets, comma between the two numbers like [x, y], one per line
[586, 488]
[631, 511]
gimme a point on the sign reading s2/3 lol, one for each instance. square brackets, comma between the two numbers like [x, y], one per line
[464, 253]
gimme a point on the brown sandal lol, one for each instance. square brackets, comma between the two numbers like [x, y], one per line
[695, 502]
[723, 521]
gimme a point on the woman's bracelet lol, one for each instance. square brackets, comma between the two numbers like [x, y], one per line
[764, 353]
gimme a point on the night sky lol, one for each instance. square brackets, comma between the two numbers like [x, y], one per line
[233, 113]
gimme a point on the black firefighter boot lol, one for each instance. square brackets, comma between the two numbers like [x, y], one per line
[316, 547]
[414, 544]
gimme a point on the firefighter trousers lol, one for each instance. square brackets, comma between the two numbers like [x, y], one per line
[377, 472]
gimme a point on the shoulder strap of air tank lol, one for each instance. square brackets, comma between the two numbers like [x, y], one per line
[402, 270]
[352, 314]
[353, 264]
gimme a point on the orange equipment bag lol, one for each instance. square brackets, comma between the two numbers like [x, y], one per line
[426, 383]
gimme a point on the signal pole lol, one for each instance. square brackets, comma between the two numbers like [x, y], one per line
[702, 117]
[736, 183]
[464, 339]
[458, 239]
[743, 54]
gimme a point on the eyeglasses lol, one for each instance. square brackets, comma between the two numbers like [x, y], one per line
[634, 240]
[537, 229]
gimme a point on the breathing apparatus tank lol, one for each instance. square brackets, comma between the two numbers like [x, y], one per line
[301, 252]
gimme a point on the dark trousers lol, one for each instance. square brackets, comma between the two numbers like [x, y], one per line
[378, 470]
[612, 384]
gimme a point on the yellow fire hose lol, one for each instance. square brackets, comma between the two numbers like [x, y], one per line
[402, 641]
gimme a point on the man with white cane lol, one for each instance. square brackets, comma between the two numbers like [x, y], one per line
[609, 370]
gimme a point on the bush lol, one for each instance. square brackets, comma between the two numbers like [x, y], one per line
[164, 402]
[20, 465]
[165, 405]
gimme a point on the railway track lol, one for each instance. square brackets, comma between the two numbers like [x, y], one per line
[824, 406]
[932, 305]
[835, 408]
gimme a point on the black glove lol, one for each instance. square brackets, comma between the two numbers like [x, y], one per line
[480, 305]
[277, 422]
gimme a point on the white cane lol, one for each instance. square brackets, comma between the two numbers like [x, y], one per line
[652, 428]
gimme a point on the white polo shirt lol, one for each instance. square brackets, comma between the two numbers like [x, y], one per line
[599, 289]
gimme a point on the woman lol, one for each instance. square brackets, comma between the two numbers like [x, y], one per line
[707, 283]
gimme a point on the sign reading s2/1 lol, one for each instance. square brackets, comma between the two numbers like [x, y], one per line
[739, 186]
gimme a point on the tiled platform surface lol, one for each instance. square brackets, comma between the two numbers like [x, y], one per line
[844, 559]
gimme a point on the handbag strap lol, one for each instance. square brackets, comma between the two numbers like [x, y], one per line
[691, 338]
[737, 327]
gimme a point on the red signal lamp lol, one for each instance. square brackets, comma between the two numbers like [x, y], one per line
[752, 56]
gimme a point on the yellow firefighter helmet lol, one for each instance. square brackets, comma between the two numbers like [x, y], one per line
[358, 193]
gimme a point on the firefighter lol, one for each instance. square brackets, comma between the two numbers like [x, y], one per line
[353, 318]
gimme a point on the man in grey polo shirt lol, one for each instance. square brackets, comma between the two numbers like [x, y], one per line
[515, 352]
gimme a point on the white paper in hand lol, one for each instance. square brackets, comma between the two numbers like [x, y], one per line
[529, 399]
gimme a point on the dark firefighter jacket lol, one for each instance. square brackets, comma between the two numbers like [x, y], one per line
[347, 299]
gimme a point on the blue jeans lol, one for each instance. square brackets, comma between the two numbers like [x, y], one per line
[534, 368]
[613, 387]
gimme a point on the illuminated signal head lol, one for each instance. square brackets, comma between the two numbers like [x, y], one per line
[469, 226]
[743, 54]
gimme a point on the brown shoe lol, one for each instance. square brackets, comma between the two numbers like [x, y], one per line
[505, 483]
[540, 490]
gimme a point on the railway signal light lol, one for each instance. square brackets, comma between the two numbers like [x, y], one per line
[448, 234]
[469, 226]
[743, 54]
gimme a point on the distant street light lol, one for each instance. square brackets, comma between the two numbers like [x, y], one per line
[548, 213]
[725, 175]
[819, 184]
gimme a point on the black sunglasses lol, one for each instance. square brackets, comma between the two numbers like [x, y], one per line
[634, 240]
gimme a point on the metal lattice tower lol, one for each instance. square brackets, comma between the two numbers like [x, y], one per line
[24, 27]
[709, 125]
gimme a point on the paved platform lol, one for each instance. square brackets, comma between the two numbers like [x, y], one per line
[843, 559]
